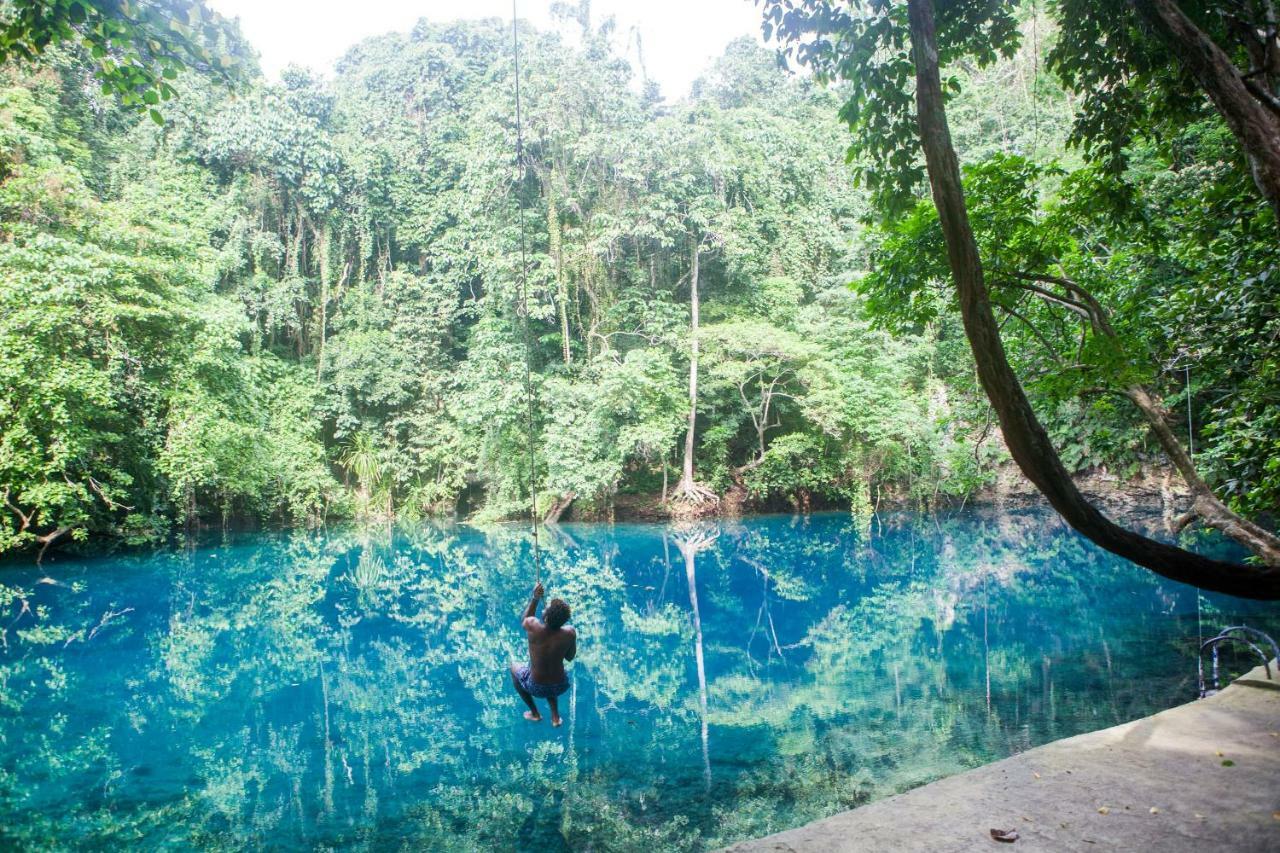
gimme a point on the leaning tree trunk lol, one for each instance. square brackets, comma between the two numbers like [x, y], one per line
[1205, 504]
[1256, 125]
[558, 507]
[1026, 438]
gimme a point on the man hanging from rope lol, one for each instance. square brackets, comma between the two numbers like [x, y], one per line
[551, 643]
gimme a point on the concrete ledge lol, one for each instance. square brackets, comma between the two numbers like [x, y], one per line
[1202, 776]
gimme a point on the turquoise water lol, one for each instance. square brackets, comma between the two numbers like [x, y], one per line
[347, 688]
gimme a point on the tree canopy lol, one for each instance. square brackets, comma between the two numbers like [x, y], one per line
[299, 299]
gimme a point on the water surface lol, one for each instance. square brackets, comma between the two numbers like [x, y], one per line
[305, 690]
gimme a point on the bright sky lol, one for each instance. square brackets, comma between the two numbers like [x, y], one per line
[680, 37]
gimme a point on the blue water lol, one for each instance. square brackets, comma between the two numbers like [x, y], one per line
[347, 688]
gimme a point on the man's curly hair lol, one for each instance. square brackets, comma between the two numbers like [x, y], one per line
[556, 614]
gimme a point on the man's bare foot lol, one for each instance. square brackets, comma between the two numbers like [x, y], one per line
[534, 717]
[555, 721]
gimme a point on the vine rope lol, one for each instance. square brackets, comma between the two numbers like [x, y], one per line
[531, 423]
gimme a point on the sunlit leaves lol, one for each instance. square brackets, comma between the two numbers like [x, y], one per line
[138, 46]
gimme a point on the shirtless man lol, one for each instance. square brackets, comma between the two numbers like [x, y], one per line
[551, 643]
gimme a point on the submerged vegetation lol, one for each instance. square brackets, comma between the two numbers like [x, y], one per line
[226, 297]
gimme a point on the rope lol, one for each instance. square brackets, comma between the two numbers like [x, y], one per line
[1035, 78]
[1191, 452]
[524, 304]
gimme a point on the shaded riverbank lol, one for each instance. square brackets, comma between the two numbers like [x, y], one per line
[1153, 491]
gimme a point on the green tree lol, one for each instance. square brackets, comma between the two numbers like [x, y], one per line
[138, 47]
[1041, 266]
[1148, 68]
[892, 45]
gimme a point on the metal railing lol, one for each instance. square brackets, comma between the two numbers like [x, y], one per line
[1234, 634]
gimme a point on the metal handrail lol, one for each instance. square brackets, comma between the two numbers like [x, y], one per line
[1232, 634]
[1275, 649]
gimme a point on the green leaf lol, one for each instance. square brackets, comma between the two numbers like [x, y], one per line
[155, 116]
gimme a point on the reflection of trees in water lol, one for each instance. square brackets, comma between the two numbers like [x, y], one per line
[691, 540]
[297, 698]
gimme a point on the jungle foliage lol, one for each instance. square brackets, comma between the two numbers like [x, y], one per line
[300, 299]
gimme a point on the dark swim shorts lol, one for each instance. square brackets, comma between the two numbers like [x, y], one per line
[535, 688]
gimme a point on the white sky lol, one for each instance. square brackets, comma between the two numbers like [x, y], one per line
[680, 37]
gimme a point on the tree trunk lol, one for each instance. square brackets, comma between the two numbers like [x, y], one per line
[1205, 503]
[48, 539]
[1255, 125]
[687, 485]
[687, 473]
[1026, 438]
[323, 321]
[558, 507]
[557, 258]
[298, 269]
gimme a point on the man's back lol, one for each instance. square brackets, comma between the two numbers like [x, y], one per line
[549, 648]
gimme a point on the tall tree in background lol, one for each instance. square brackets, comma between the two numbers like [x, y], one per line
[688, 488]
[695, 174]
